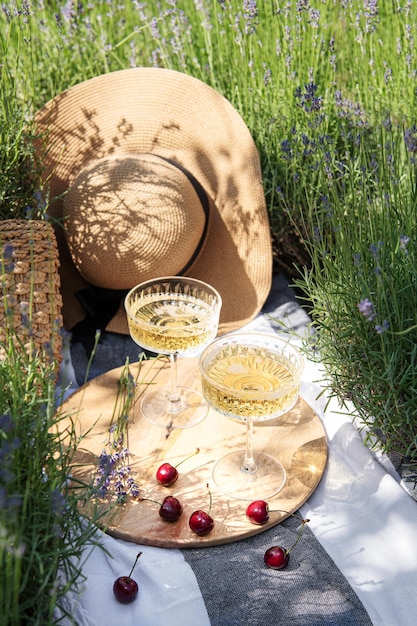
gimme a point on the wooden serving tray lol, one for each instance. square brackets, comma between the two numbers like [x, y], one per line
[297, 439]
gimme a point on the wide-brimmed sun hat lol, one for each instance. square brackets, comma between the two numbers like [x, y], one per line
[151, 172]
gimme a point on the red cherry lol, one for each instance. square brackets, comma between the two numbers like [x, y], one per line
[258, 512]
[126, 589]
[166, 474]
[276, 557]
[170, 509]
[201, 523]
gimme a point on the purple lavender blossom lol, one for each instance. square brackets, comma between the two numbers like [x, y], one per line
[267, 76]
[371, 9]
[308, 99]
[7, 256]
[9, 500]
[410, 139]
[371, 14]
[286, 149]
[350, 110]
[314, 17]
[374, 249]
[367, 309]
[382, 328]
[58, 502]
[114, 476]
[6, 11]
[24, 317]
[302, 5]
[404, 241]
[326, 205]
[250, 15]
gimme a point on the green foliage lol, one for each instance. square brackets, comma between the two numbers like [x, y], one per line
[328, 91]
[41, 531]
[255, 53]
[362, 282]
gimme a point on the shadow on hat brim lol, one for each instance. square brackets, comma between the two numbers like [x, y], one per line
[173, 115]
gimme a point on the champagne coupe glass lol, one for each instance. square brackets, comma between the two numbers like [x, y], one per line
[250, 377]
[173, 315]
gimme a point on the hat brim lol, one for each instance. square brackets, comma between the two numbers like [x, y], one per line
[154, 110]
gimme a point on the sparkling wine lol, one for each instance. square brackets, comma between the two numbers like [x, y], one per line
[248, 381]
[168, 323]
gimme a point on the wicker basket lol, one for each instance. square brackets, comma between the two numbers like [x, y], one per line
[30, 299]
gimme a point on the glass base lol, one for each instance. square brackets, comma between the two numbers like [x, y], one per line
[187, 411]
[266, 482]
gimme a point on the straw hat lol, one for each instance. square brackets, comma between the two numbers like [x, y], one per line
[155, 174]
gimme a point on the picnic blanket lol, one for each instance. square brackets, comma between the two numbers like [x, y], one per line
[356, 563]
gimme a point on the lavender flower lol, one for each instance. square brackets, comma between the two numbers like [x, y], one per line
[350, 110]
[375, 248]
[367, 309]
[410, 139]
[314, 17]
[250, 15]
[382, 329]
[9, 500]
[326, 205]
[267, 76]
[114, 475]
[6, 11]
[371, 8]
[286, 149]
[104, 473]
[24, 317]
[317, 233]
[58, 502]
[308, 99]
[7, 257]
[302, 5]
[404, 241]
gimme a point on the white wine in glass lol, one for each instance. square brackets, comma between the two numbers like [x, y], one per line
[250, 377]
[173, 315]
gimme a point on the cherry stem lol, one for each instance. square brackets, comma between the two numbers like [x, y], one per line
[196, 451]
[301, 530]
[211, 499]
[149, 500]
[134, 564]
[303, 521]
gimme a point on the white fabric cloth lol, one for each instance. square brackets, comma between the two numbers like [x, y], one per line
[364, 518]
[360, 514]
[168, 591]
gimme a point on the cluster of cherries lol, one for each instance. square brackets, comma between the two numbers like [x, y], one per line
[125, 588]
[170, 509]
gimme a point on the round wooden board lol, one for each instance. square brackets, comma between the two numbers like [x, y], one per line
[297, 439]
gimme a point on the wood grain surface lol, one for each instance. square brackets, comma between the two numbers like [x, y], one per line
[297, 439]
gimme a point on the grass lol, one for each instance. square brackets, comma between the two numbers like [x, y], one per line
[328, 90]
[42, 535]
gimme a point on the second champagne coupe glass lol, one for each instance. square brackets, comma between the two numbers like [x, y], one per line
[173, 315]
[250, 377]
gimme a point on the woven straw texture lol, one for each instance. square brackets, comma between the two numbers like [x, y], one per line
[168, 114]
[30, 300]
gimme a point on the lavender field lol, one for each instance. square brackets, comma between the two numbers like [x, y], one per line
[328, 90]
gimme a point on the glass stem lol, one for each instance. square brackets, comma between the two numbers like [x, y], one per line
[175, 403]
[249, 466]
